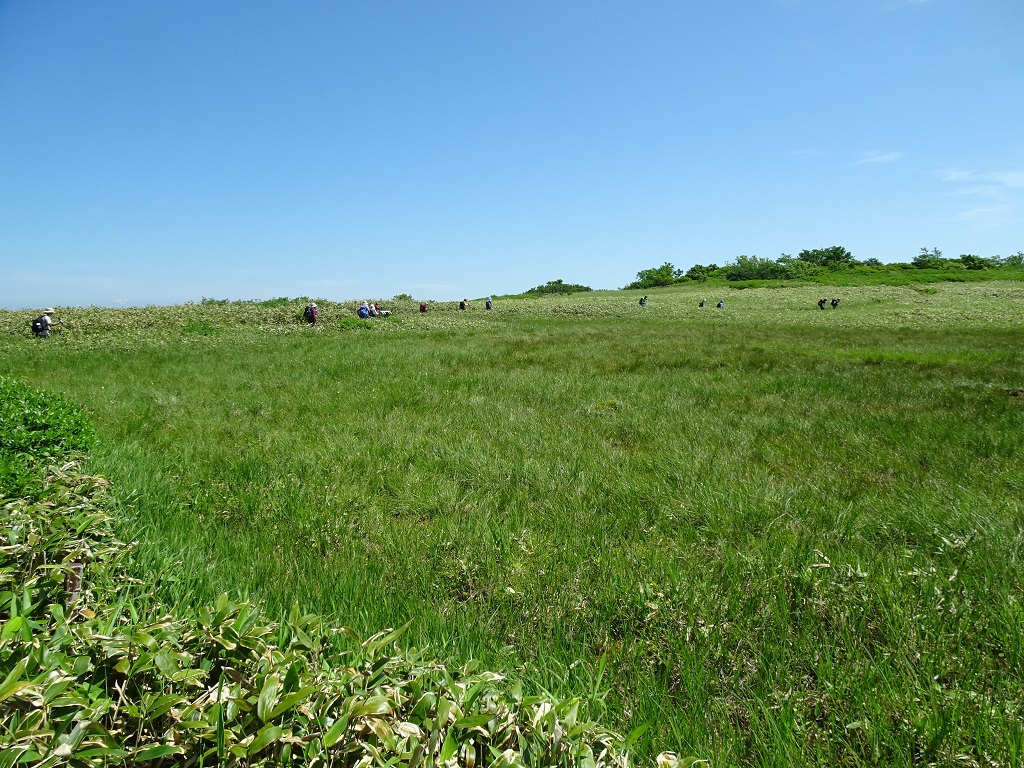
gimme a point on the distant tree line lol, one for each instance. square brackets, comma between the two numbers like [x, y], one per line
[809, 263]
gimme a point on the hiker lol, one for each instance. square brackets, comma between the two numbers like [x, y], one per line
[363, 311]
[381, 312]
[372, 309]
[643, 301]
[721, 303]
[489, 304]
[464, 303]
[835, 302]
[821, 303]
[702, 302]
[423, 306]
[43, 324]
[309, 313]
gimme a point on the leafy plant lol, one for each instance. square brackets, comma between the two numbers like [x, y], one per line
[38, 424]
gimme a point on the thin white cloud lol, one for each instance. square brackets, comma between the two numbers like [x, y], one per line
[987, 216]
[995, 195]
[985, 183]
[878, 158]
[808, 153]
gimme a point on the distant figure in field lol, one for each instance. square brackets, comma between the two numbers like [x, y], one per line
[835, 302]
[489, 304]
[464, 303]
[702, 303]
[423, 306]
[381, 312]
[821, 303]
[643, 301]
[309, 313]
[720, 304]
[364, 310]
[372, 308]
[43, 324]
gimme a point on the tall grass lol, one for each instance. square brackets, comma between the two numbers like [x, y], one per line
[794, 535]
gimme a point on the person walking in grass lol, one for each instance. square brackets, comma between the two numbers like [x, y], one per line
[309, 313]
[721, 304]
[43, 324]
[821, 303]
[489, 304]
[835, 302]
[464, 303]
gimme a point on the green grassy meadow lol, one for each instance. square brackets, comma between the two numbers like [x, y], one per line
[794, 535]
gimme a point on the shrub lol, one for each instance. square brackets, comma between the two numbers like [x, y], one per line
[557, 287]
[39, 425]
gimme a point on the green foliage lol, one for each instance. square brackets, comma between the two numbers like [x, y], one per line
[929, 259]
[557, 287]
[836, 256]
[802, 524]
[656, 277]
[756, 268]
[970, 261]
[38, 424]
[199, 327]
[699, 272]
[96, 672]
[402, 297]
[281, 301]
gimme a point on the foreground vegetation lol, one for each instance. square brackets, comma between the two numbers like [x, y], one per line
[778, 535]
[96, 672]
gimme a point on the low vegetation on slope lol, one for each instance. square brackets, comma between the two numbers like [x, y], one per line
[96, 672]
[775, 534]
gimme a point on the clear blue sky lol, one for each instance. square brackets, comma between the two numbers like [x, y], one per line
[159, 152]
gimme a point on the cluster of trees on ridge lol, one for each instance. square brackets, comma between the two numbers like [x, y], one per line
[810, 263]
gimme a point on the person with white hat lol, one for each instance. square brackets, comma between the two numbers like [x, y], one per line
[309, 313]
[43, 324]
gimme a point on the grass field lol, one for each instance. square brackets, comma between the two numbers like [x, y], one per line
[795, 535]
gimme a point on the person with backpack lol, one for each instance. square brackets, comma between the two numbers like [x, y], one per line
[721, 303]
[310, 313]
[489, 304]
[822, 303]
[835, 302]
[364, 310]
[643, 302]
[43, 324]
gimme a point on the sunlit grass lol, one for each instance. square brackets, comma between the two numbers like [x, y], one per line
[795, 534]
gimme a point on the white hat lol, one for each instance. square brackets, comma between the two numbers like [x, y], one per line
[312, 303]
[48, 310]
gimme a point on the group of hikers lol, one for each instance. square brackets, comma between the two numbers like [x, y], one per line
[370, 309]
[44, 324]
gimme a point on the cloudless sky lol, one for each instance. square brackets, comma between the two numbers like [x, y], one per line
[160, 152]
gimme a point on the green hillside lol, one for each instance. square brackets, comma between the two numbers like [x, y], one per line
[779, 535]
